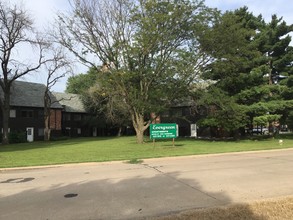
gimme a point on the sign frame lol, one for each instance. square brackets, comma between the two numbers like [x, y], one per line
[163, 131]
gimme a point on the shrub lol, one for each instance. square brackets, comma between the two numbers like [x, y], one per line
[17, 137]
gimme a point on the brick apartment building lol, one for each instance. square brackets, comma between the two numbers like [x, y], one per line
[68, 115]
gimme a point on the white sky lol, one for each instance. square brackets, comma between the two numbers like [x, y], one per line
[44, 12]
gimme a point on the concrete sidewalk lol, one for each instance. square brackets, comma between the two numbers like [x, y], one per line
[156, 187]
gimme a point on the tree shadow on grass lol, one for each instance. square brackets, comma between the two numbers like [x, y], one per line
[114, 196]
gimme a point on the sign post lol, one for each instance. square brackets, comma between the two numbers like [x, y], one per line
[163, 131]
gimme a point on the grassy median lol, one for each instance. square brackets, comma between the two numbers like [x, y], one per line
[123, 148]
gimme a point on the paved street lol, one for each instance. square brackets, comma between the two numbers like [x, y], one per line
[118, 190]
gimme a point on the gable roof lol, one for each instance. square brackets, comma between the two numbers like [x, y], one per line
[70, 102]
[28, 94]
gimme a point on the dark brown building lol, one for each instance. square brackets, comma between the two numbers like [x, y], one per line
[68, 115]
[27, 111]
[76, 121]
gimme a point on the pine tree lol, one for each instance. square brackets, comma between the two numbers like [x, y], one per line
[252, 65]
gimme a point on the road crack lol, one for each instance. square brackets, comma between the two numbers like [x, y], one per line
[156, 168]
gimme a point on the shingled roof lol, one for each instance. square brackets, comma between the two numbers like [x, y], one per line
[28, 94]
[70, 102]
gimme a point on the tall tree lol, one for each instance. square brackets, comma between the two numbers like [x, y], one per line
[16, 29]
[141, 44]
[229, 43]
[94, 97]
[273, 102]
[251, 58]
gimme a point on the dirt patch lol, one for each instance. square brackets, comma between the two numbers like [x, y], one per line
[272, 209]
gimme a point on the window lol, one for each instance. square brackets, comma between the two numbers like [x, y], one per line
[165, 114]
[27, 114]
[193, 126]
[41, 114]
[29, 131]
[12, 113]
[77, 118]
[177, 112]
[78, 130]
[41, 132]
[8, 130]
[67, 117]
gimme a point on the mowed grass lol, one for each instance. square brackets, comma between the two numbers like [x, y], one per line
[123, 148]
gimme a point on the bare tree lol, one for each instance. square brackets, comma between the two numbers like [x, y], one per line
[57, 67]
[16, 29]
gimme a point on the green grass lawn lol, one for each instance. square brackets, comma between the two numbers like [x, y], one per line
[122, 148]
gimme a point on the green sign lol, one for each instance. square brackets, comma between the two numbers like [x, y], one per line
[162, 131]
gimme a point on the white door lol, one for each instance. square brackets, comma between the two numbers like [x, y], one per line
[30, 134]
[193, 129]
[94, 132]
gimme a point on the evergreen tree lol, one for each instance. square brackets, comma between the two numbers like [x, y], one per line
[252, 62]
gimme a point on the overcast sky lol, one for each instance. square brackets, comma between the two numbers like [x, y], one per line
[44, 11]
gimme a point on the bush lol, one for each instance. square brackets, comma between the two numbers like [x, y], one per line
[15, 137]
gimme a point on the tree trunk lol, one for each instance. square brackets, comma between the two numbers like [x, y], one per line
[139, 136]
[47, 134]
[47, 130]
[139, 126]
[47, 115]
[119, 133]
[5, 115]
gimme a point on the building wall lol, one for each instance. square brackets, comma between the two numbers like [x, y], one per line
[183, 116]
[56, 119]
[23, 117]
[76, 124]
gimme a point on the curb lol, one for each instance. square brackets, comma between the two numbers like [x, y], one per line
[145, 160]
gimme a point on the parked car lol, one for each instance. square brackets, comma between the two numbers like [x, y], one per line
[260, 130]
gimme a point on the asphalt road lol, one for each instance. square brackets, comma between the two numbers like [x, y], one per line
[118, 190]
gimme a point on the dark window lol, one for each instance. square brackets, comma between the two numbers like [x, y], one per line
[41, 114]
[41, 132]
[27, 114]
[77, 117]
[177, 112]
[165, 114]
[67, 117]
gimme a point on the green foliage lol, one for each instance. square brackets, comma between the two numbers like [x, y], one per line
[223, 111]
[252, 66]
[265, 119]
[143, 48]
[16, 137]
[290, 120]
[229, 43]
[80, 83]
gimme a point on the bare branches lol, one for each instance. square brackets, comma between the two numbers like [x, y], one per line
[98, 29]
[16, 29]
[17, 32]
[57, 66]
